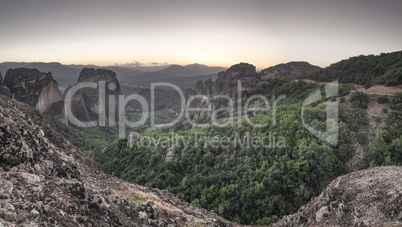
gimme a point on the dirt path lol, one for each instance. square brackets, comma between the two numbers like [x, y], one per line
[384, 90]
[374, 90]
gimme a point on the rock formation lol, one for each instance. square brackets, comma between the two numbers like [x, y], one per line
[226, 82]
[30, 86]
[371, 197]
[55, 111]
[171, 152]
[288, 71]
[3, 88]
[87, 103]
[45, 181]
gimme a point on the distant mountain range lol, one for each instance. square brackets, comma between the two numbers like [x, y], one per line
[182, 76]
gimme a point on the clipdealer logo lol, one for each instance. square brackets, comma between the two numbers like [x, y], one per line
[331, 90]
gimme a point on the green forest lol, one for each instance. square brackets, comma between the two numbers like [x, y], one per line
[369, 70]
[245, 184]
[387, 149]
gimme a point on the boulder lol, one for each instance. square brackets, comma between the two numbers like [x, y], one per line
[371, 197]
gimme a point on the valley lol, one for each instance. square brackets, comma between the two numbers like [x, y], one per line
[245, 153]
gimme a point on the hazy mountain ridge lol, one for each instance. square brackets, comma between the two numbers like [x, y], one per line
[188, 70]
[176, 74]
[67, 75]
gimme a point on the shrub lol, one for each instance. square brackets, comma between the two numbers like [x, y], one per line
[361, 138]
[382, 99]
[359, 99]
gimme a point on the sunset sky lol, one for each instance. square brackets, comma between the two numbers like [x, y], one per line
[219, 32]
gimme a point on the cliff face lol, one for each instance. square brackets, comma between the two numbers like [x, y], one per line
[371, 197]
[288, 71]
[45, 181]
[226, 82]
[86, 103]
[3, 88]
[30, 86]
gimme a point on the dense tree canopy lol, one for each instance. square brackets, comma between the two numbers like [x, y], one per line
[387, 149]
[243, 183]
[368, 70]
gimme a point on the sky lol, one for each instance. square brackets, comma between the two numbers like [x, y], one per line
[211, 32]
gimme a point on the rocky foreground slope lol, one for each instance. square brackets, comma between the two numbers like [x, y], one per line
[371, 197]
[45, 181]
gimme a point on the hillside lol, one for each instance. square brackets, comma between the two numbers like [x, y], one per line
[46, 181]
[288, 71]
[384, 69]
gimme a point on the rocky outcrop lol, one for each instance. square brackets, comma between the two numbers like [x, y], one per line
[226, 82]
[87, 103]
[288, 71]
[3, 88]
[35, 88]
[371, 197]
[55, 111]
[45, 181]
[171, 152]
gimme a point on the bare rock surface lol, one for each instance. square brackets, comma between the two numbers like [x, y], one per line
[3, 88]
[88, 103]
[371, 197]
[226, 82]
[46, 181]
[33, 87]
